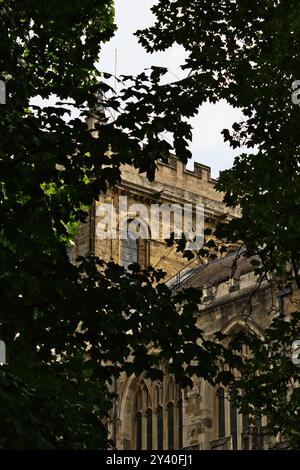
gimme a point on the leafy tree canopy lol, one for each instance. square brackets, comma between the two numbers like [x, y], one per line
[59, 321]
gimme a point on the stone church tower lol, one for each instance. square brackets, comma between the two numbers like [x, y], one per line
[173, 185]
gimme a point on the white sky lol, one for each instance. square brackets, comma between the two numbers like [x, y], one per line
[207, 146]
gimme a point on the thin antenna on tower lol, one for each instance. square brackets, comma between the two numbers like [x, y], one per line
[116, 68]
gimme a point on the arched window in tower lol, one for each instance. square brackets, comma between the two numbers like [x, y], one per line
[160, 428]
[180, 424]
[129, 250]
[170, 414]
[149, 445]
[221, 412]
[135, 247]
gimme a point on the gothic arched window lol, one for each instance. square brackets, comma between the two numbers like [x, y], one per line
[180, 424]
[170, 414]
[149, 445]
[143, 419]
[160, 428]
[221, 412]
[138, 431]
[157, 418]
[233, 424]
[135, 248]
[129, 250]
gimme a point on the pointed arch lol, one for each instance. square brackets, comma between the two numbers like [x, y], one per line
[237, 324]
[170, 395]
[126, 413]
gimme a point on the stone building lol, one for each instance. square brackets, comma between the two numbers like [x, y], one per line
[155, 415]
[173, 185]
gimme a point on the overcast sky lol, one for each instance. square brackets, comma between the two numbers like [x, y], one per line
[208, 146]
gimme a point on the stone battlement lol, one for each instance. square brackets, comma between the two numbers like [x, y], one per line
[174, 182]
[200, 171]
[203, 172]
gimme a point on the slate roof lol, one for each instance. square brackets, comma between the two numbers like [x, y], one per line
[215, 272]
